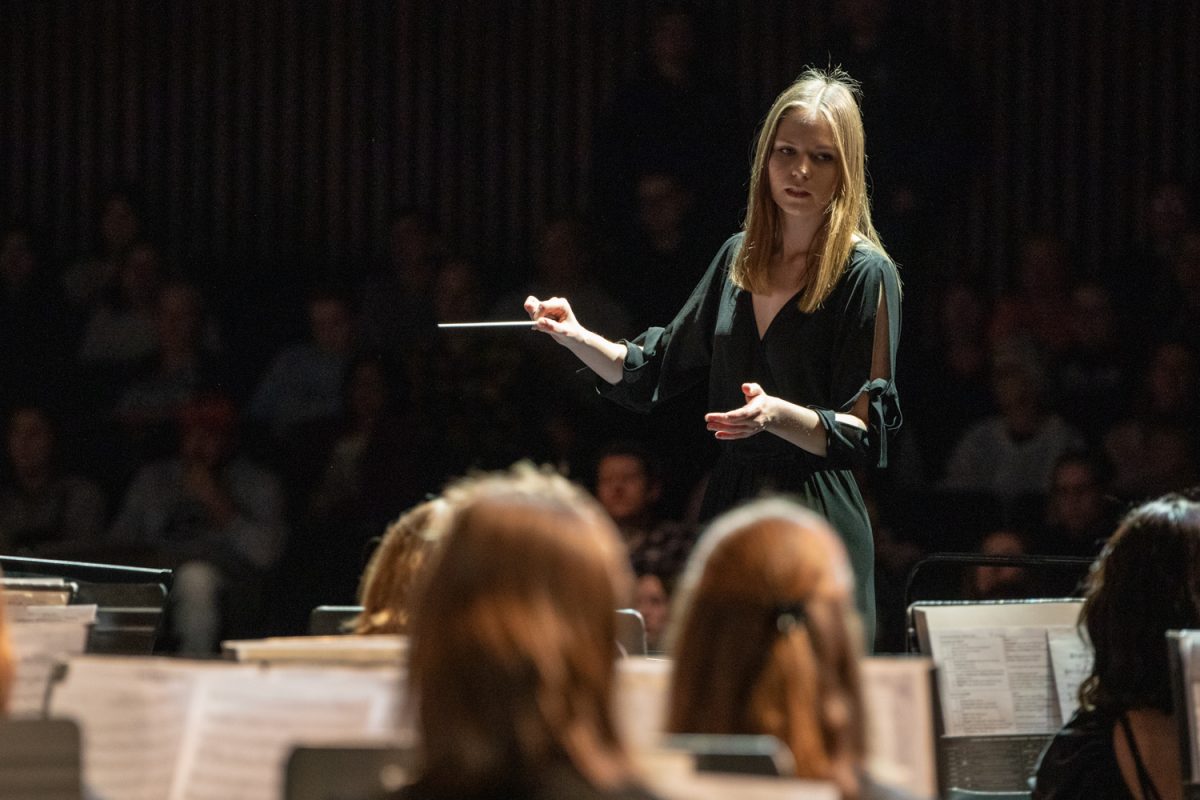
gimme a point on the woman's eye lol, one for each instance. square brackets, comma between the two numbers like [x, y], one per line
[824, 156]
[785, 150]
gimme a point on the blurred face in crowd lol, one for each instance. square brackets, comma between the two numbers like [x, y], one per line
[30, 442]
[205, 445]
[119, 224]
[456, 293]
[992, 580]
[330, 325]
[140, 273]
[179, 318]
[1076, 497]
[623, 487]
[652, 602]
[368, 391]
[1172, 378]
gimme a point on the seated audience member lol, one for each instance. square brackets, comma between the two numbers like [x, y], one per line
[1080, 514]
[628, 486]
[118, 227]
[655, 575]
[385, 593]
[1154, 451]
[304, 381]
[1012, 453]
[381, 458]
[512, 663]
[183, 366]
[214, 517]
[123, 329]
[1093, 375]
[45, 512]
[1000, 582]
[1123, 742]
[767, 641]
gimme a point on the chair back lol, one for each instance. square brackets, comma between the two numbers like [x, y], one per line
[346, 773]
[331, 620]
[40, 758]
[631, 632]
[740, 754]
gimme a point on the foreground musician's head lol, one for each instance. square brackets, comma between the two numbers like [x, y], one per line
[1145, 583]
[513, 638]
[389, 581]
[767, 639]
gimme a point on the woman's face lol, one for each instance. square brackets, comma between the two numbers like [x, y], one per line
[803, 165]
[652, 603]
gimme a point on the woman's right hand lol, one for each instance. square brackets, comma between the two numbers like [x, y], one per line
[555, 317]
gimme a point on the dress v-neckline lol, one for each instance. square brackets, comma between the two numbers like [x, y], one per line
[761, 332]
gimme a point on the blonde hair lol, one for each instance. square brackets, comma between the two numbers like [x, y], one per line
[830, 96]
[769, 640]
[387, 584]
[513, 636]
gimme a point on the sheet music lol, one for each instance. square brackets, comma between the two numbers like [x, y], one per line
[1071, 660]
[159, 729]
[245, 726]
[38, 646]
[132, 717]
[81, 614]
[995, 681]
[898, 698]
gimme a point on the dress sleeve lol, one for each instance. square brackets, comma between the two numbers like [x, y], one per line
[869, 313]
[664, 362]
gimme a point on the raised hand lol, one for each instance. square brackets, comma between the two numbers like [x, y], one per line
[555, 317]
[744, 422]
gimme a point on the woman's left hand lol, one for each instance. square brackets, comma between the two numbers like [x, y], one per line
[744, 422]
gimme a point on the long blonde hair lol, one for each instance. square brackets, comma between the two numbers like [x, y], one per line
[832, 96]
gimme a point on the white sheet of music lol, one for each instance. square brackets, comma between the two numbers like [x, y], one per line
[38, 646]
[243, 727]
[898, 698]
[132, 715]
[1071, 660]
[995, 681]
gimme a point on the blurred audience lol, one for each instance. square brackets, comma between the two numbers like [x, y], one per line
[304, 380]
[1001, 582]
[1013, 452]
[214, 517]
[45, 511]
[1154, 450]
[119, 227]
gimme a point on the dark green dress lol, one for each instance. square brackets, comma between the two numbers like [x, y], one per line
[821, 360]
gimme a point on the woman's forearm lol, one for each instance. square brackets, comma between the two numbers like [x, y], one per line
[601, 356]
[802, 427]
